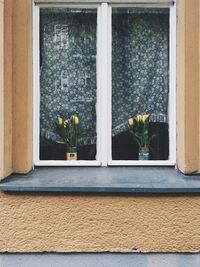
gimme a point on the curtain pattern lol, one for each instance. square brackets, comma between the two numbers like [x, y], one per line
[68, 66]
[140, 64]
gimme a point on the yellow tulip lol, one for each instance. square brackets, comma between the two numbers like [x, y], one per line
[139, 117]
[65, 123]
[130, 121]
[75, 119]
[60, 121]
[145, 117]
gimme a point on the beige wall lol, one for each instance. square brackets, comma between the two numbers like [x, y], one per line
[99, 223]
[199, 88]
[5, 88]
[8, 87]
[188, 86]
[1, 88]
[22, 86]
[93, 223]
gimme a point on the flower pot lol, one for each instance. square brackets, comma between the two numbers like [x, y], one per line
[71, 154]
[143, 154]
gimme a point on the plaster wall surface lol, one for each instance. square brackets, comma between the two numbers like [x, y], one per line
[66, 223]
[61, 223]
[8, 87]
[1, 88]
[5, 88]
[22, 85]
[187, 74]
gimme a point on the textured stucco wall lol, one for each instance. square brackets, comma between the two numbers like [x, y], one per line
[99, 223]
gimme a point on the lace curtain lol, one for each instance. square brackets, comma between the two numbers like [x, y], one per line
[68, 66]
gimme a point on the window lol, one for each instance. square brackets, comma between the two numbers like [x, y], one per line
[103, 64]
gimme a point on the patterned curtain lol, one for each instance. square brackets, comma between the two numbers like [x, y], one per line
[68, 66]
[140, 65]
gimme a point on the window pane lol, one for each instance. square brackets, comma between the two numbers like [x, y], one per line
[67, 83]
[140, 82]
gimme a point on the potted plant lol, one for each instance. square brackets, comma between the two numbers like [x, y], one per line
[71, 134]
[139, 128]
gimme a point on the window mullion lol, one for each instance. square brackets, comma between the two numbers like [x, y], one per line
[104, 84]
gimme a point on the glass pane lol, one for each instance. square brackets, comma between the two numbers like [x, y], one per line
[140, 83]
[67, 83]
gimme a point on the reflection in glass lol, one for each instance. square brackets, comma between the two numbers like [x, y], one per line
[140, 79]
[67, 78]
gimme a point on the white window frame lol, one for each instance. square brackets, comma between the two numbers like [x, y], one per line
[104, 88]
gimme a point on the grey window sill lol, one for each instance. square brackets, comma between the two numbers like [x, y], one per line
[103, 180]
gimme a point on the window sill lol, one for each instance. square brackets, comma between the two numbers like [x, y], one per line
[103, 180]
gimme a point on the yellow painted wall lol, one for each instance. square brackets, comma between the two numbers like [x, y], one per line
[8, 83]
[99, 223]
[63, 223]
[1, 88]
[188, 141]
[5, 88]
[22, 85]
